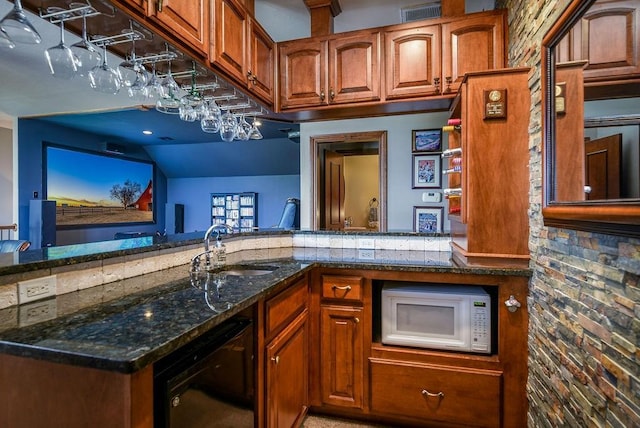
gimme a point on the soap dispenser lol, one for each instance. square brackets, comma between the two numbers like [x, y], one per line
[219, 252]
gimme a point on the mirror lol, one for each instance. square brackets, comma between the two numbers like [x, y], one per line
[591, 99]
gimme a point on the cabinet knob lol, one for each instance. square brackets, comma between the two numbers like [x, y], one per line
[332, 94]
[160, 5]
[436, 84]
[322, 96]
[275, 359]
[432, 394]
[356, 320]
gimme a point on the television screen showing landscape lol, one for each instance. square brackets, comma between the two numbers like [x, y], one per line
[92, 189]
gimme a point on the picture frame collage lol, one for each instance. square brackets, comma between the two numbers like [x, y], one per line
[426, 170]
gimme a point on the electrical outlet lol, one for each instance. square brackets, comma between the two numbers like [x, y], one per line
[36, 289]
[366, 243]
[366, 254]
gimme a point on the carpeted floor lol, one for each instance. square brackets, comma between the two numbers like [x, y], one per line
[315, 421]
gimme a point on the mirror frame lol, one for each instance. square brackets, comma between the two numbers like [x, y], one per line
[613, 217]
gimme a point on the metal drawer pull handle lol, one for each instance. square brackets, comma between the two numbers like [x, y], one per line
[275, 359]
[431, 394]
[345, 288]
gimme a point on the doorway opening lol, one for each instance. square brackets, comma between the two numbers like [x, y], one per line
[344, 167]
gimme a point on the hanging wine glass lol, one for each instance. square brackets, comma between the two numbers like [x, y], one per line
[243, 129]
[17, 27]
[153, 88]
[5, 41]
[228, 127]
[131, 70]
[61, 60]
[87, 53]
[210, 121]
[169, 101]
[190, 103]
[103, 78]
[255, 133]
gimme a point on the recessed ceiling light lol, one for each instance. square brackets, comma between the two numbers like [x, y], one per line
[147, 132]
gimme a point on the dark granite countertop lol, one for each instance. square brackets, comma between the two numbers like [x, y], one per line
[127, 325]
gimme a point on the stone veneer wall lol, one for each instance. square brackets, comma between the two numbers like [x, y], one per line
[584, 302]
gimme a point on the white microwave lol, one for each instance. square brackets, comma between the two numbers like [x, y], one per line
[452, 317]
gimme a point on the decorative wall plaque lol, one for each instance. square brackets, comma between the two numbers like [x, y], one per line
[560, 91]
[495, 104]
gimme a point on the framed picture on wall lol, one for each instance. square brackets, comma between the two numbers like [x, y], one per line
[427, 219]
[426, 140]
[426, 171]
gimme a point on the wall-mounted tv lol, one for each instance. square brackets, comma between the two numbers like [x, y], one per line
[93, 189]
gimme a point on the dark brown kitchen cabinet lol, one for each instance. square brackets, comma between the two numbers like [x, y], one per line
[470, 44]
[451, 395]
[187, 20]
[287, 379]
[229, 37]
[323, 71]
[608, 38]
[342, 353]
[493, 110]
[302, 65]
[413, 62]
[354, 73]
[287, 356]
[242, 48]
[261, 59]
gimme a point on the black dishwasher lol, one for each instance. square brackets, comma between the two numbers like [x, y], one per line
[209, 382]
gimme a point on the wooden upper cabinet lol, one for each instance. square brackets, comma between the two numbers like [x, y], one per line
[188, 20]
[261, 54]
[608, 38]
[413, 62]
[229, 38]
[354, 73]
[321, 71]
[472, 45]
[302, 73]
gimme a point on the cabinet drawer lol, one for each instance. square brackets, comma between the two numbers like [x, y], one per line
[283, 308]
[470, 397]
[342, 287]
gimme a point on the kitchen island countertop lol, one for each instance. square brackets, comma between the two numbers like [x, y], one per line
[129, 324]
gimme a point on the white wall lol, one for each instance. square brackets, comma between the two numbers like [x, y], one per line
[6, 176]
[401, 198]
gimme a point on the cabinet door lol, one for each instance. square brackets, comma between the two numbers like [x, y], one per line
[287, 375]
[608, 38]
[413, 62]
[354, 68]
[342, 357]
[303, 80]
[471, 44]
[228, 44]
[189, 20]
[261, 67]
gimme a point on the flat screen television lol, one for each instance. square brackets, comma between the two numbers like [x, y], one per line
[93, 189]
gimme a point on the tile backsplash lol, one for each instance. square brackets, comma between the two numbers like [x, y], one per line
[80, 276]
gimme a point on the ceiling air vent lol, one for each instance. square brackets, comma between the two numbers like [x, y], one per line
[419, 12]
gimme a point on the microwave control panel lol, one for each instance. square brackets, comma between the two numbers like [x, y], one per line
[481, 326]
